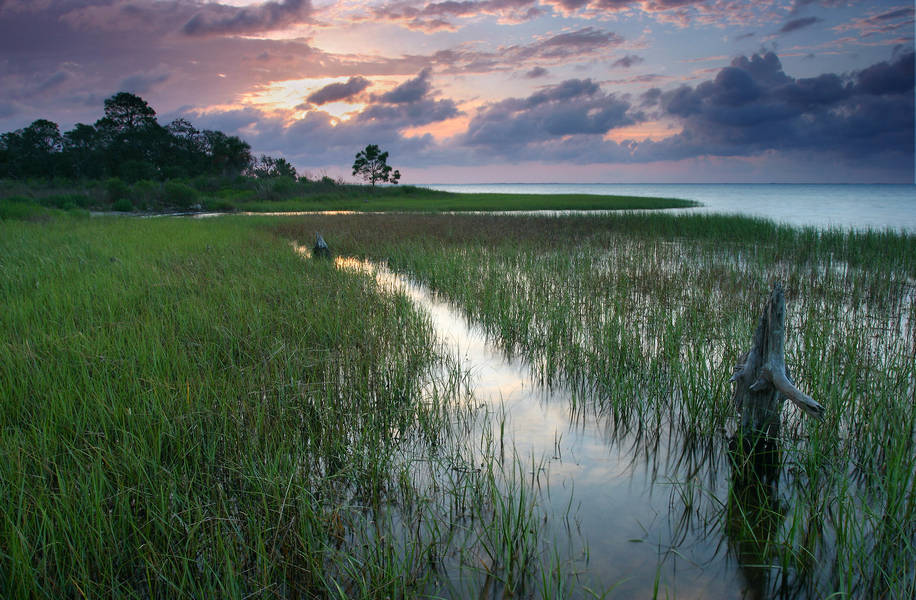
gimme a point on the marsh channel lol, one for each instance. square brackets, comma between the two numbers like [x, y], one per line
[624, 508]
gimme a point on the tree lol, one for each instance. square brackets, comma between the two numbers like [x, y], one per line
[269, 167]
[372, 165]
[229, 155]
[125, 112]
[32, 152]
[80, 153]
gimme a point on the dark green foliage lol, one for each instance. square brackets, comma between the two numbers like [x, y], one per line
[22, 209]
[32, 151]
[267, 166]
[372, 165]
[66, 201]
[179, 194]
[127, 143]
[115, 190]
[123, 205]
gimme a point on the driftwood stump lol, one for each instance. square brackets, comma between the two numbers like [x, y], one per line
[320, 250]
[762, 380]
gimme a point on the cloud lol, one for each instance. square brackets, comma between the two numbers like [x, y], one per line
[752, 106]
[878, 22]
[220, 19]
[410, 104]
[339, 91]
[434, 16]
[628, 61]
[411, 90]
[796, 24]
[536, 72]
[586, 42]
[141, 83]
[888, 78]
[572, 108]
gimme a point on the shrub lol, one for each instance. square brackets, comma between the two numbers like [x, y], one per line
[147, 193]
[22, 209]
[179, 194]
[218, 204]
[66, 201]
[115, 190]
[123, 205]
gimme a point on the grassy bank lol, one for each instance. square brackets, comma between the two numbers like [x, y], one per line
[280, 194]
[409, 199]
[646, 316]
[190, 409]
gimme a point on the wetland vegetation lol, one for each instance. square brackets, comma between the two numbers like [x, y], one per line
[190, 409]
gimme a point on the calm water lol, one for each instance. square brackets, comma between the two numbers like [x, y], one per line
[613, 494]
[857, 206]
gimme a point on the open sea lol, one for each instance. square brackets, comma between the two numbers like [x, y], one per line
[882, 206]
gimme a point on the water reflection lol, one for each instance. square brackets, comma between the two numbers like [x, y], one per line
[641, 496]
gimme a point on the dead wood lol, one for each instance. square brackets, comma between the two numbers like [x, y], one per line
[762, 379]
[320, 250]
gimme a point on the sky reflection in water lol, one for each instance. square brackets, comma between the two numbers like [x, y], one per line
[625, 503]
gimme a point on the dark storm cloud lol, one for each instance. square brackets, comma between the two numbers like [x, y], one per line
[628, 61]
[753, 106]
[339, 91]
[574, 107]
[888, 78]
[796, 24]
[214, 18]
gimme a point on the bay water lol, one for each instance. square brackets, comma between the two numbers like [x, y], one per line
[865, 206]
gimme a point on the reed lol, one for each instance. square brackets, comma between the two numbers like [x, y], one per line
[190, 409]
[646, 314]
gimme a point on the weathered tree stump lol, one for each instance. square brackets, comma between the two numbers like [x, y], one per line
[762, 380]
[321, 250]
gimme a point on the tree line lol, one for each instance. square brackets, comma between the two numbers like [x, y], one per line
[129, 143]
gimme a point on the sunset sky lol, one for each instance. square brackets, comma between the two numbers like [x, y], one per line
[495, 90]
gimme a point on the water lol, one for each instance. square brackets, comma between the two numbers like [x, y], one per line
[620, 494]
[846, 206]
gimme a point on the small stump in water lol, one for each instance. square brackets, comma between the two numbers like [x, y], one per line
[762, 383]
[321, 250]
[762, 380]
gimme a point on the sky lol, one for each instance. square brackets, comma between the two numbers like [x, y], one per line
[467, 91]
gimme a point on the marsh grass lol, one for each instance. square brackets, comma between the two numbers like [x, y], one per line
[645, 315]
[411, 199]
[189, 409]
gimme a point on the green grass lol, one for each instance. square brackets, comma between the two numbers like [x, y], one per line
[190, 409]
[646, 315]
[421, 200]
[286, 195]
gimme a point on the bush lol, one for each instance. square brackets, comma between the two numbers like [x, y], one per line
[115, 190]
[135, 170]
[17, 208]
[179, 194]
[66, 201]
[123, 205]
[147, 193]
[218, 205]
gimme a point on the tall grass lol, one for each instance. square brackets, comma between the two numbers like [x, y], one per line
[189, 409]
[647, 314]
